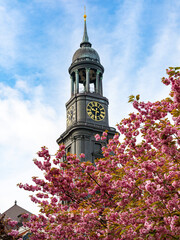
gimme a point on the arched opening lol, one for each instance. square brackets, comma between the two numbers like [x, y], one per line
[82, 80]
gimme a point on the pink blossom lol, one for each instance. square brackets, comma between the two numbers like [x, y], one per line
[12, 223]
[25, 215]
[103, 137]
[97, 137]
[82, 155]
[14, 233]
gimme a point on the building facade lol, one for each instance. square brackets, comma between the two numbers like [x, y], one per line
[87, 108]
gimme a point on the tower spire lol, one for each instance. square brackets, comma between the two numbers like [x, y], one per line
[85, 40]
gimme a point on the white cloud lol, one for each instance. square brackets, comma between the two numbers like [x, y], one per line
[25, 120]
[11, 192]
[25, 126]
[22, 85]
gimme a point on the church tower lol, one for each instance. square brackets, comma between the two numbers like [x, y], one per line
[87, 108]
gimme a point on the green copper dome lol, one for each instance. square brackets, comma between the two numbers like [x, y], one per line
[85, 53]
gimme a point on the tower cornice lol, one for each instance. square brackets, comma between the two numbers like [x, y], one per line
[85, 127]
[87, 95]
[83, 63]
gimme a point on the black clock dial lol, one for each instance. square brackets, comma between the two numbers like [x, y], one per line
[70, 115]
[96, 111]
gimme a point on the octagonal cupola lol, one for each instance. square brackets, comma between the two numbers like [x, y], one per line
[86, 71]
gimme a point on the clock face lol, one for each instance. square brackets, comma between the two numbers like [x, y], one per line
[96, 111]
[70, 115]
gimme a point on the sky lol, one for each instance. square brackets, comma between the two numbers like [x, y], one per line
[135, 39]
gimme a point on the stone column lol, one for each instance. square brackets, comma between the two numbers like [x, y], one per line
[101, 87]
[97, 81]
[87, 79]
[78, 145]
[77, 81]
[72, 86]
[73, 145]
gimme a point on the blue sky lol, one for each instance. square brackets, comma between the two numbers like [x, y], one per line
[136, 40]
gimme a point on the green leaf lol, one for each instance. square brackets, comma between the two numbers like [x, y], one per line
[175, 113]
[122, 231]
[138, 227]
[137, 97]
[172, 72]
[168, 99]
[131, 98]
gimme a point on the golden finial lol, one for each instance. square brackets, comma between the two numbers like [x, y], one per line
[85, 13]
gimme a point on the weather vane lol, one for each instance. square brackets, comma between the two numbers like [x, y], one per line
[85, 13]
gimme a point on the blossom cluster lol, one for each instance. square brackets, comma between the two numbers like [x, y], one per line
[132, 192]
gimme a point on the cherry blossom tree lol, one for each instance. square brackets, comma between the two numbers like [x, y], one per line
[132, 192]
[7, 226]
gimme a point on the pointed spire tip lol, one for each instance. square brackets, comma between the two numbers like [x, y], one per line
[85, 13]
[85, 41]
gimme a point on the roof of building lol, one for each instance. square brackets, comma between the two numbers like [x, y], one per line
[15, 212]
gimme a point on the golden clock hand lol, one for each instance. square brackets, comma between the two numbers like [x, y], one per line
[96, 110]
